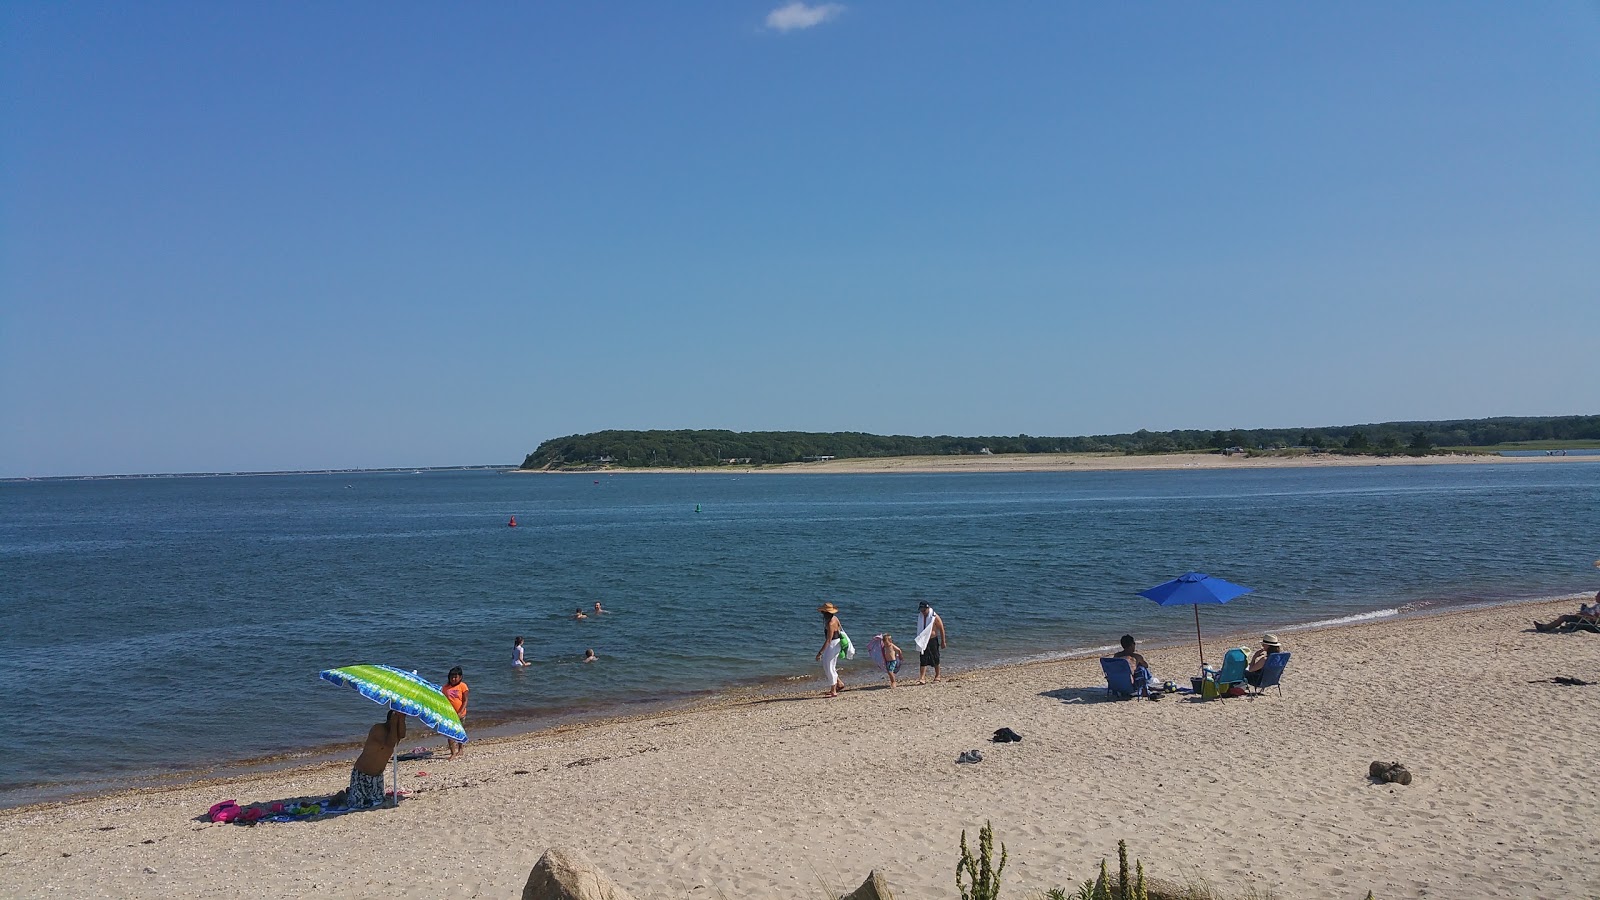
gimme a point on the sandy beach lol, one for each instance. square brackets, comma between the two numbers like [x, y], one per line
[1102, 462]
[788, 797]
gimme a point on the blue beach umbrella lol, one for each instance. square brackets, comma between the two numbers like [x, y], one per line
[1195, 588]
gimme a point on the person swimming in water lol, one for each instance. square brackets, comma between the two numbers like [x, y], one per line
[588, 655]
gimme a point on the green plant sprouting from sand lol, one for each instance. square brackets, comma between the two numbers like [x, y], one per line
[983, 875]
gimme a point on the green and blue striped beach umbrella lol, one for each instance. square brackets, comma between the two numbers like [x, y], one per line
[402, 691]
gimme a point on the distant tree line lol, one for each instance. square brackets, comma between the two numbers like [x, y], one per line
[697, 448]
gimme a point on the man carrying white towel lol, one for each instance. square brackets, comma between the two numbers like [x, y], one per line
[930, 640]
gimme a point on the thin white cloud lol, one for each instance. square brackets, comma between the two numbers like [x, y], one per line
[797, 15]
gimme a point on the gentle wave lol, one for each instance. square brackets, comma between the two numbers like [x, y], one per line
[1343, 620]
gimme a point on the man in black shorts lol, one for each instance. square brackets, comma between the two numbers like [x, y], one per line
[930, 640]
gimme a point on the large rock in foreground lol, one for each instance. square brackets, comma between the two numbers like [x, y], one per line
[874, 888]
[562, 874]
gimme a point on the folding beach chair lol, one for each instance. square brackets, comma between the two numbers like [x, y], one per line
[1272, 672]
[1231, 673]
[1119, 677]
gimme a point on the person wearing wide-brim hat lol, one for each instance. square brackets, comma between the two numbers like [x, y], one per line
[1258, 659]
[832, 643]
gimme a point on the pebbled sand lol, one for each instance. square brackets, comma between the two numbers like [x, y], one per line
[777, 798]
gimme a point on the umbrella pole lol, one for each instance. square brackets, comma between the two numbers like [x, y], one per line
[394, 758]
[1197, 636]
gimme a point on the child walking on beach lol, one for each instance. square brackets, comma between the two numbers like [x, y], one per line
[891, 657]
[455, 690]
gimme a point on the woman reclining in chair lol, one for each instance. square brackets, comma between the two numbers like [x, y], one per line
[1258, 659]
[1588, 614]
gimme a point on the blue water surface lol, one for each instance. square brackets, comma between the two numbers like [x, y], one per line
[159, 624]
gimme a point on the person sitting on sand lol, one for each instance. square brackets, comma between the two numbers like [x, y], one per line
[588, 655]
[366, 776]
[1141, 669]
[1258, 659]
[1588, 614]
[579, 614]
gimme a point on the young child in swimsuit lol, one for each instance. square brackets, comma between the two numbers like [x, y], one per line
[891, 657]
[455, 690]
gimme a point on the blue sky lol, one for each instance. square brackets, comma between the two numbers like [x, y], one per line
[264, 236]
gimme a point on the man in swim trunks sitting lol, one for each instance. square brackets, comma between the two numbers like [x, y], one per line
[1141, 669]
[1588, 614]
[366, 776]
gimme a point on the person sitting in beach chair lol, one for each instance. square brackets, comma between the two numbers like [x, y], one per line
[1587, 618]
[1141, 668]
[1258, 659]
[1119, 677]
[1231, 676]
[1269, 675]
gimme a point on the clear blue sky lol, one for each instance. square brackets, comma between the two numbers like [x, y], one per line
[284, 235]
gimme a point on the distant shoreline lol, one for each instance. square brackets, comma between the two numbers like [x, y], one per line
[1079, 462]
[395, 470]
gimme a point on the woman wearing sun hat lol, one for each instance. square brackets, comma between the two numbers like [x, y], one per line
[832, 643]
[1258, 659]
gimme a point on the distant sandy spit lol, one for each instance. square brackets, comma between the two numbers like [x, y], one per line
[1099, 462]
[799, 797]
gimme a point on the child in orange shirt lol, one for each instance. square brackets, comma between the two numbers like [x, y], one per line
[455, 690]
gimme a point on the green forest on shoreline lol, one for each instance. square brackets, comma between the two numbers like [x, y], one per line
[702, 448]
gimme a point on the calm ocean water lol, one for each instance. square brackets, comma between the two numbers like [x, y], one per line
[155, 625]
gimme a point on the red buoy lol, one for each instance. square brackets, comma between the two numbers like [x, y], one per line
[512, 523]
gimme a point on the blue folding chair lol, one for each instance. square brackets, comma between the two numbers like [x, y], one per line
[1272, 673]
[1119, 677]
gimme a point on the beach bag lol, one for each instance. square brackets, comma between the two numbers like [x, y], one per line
[226, 811]
[846, 649]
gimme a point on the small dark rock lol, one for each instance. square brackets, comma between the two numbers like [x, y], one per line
[1388, 773]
